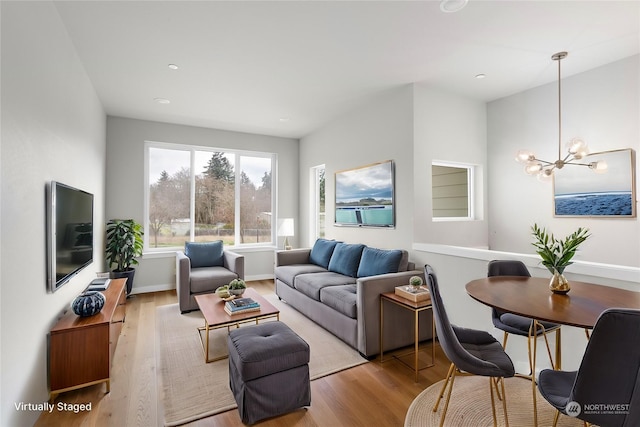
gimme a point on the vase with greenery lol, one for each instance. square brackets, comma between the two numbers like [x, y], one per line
[237, 287]
[123, 245]
[415, 282]
[557, 254]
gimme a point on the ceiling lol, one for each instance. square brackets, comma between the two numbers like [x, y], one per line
[286, 68]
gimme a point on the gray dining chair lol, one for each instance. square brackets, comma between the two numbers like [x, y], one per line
[605, 390]
[471, 352]
[511, 323]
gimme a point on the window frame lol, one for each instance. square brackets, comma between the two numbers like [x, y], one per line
[471, 196]
[192, 149]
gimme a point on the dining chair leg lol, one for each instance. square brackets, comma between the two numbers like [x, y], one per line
[533, 376]
[493, 403]
[444, 386]
[496, 382]
[586, 331]
[504, 403]
[446, 402]
[504, 339]
[555, 418]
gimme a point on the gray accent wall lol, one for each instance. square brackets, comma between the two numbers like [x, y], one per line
[53, 128]
[125, 186]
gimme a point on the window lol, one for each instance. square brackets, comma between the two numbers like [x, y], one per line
[205, 194]
[452, 191]
[317, 202]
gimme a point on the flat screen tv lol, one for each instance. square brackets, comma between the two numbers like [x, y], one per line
[365, 196]
[69, 233]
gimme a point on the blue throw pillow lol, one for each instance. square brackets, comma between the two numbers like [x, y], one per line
[346, 259]
[322, 251]
[379, 261]
[207, 254]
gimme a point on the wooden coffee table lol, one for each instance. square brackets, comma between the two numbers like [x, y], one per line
[212, 308]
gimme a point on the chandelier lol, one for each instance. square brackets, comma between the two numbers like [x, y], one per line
[576, 148]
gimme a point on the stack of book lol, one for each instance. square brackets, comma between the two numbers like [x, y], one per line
[241, 305]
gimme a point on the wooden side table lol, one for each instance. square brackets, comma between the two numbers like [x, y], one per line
[416, 308]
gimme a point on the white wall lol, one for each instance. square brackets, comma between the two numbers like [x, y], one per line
[450, 128]
[602, 107]
[125, 186]
[53, 128]
[381, 130]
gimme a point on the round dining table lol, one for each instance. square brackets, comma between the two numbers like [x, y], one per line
[531, 297]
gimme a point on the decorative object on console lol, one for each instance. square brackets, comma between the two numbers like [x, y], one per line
[286, 229]
[124, 245]
[415, 282]
[556, 254]
[88, 304]
[237, 287]
[576, 147]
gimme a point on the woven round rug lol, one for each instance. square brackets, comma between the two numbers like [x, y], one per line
[470, 405]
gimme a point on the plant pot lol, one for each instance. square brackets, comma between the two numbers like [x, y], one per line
[236, 292]
[559, 284]
[127, 274]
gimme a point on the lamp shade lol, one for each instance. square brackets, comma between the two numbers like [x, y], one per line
[285, 227]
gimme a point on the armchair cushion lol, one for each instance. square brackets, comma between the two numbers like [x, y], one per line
[379, 261]
[322, 251]
[204, 254]
[346, 259]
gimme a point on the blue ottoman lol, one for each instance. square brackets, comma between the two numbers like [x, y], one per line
[268, 370]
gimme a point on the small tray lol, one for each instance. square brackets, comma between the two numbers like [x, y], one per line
[422, 295]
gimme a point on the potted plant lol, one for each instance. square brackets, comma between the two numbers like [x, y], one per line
[415, 282]
[123, 245]
[556, 254]
[237, 287]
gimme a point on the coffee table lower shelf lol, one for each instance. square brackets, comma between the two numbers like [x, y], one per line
[208, 328]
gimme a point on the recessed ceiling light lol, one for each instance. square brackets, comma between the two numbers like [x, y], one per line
[480, 76]
[449, 6]
[173, 66]
[162, 100]
[284, 119]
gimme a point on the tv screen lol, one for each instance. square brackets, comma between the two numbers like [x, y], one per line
[365, 196]
[70, 232]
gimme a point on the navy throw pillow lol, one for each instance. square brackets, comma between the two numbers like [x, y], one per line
[346, 259]
[379, 261]
[204, 254]
[322, 251]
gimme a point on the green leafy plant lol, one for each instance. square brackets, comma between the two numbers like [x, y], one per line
[124, 243]
[556, 253]
[237, 284]
[415, 281]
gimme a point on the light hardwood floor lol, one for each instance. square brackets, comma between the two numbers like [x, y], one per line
[373, 394]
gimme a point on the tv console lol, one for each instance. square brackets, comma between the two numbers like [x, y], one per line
[81, 348]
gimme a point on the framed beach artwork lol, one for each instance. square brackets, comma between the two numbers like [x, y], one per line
[579, 192]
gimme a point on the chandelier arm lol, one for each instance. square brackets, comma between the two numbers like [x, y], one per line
[545, 162]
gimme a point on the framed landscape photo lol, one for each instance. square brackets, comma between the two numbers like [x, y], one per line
[365, 196]
[579, 192]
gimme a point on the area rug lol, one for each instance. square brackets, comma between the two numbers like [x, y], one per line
[192, 389]
[470, 405]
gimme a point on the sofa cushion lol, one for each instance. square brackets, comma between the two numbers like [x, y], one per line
[208, 279]
[341, 298]
[379, 261]
[346, 259]
[322, 251]
[204, 254]
[311, 284]
[288, 273]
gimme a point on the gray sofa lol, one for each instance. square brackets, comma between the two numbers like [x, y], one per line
[338, 286]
